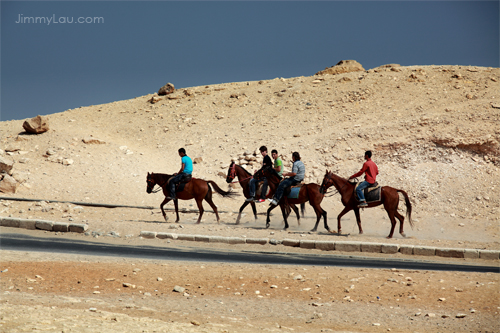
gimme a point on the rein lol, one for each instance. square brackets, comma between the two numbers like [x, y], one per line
[161, 186]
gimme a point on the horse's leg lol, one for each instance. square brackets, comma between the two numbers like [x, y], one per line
[176, 205]
[254, 209]
[401, 219]
[285, 217]
[268, 220]
[393, 222]
[199, 202]
[358, 220]
[318, 217]
[296, 210]
[214, 207]
[342, 213]
[325, 220]
[303, 209]
[162, 210]
[241, 210]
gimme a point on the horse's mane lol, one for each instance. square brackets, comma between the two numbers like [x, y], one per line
[248, 173]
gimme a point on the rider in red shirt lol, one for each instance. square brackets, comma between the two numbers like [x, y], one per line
[371, 171]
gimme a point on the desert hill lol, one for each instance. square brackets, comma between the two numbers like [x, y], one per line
[434, 132]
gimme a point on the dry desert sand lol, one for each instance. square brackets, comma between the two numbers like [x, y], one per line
[434, 132]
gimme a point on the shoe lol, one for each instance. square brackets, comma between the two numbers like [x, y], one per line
[249, 199]
[274, 202]
[259, 200]
[363, 204]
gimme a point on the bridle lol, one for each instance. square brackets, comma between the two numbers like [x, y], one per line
[152, 184]
[322, 187]
[232, 175]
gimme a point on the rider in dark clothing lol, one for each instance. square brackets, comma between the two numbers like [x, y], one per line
[266, 163]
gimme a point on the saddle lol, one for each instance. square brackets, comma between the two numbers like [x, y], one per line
[293, 191]
[372, 193]
[180, 187]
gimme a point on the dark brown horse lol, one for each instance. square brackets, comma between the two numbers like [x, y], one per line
[308, 193]
[236, 171]
[389, 197]
[197, 189]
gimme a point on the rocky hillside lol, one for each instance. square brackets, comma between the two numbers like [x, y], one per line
[434, 131]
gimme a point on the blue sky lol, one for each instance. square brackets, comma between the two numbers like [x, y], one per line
[139, 46]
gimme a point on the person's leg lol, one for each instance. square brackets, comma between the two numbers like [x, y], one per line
[359, 190]
[251, 189]
[263, 189]
[281, 188]
[175, 180]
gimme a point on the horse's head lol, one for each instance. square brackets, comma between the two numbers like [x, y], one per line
[150, 182]
[326, 183]
[231, 172]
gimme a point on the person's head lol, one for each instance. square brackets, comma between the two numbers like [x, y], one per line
[368, 154]
[296, 156]
[274, 154]
[182, 151]
[263, 150]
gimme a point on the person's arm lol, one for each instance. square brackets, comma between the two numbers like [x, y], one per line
[182, 168]
[278, 168]
[363, 169]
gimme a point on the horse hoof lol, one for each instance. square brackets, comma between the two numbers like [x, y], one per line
[285, 229]
[388, 237]
[403, 234]
[267, 225]
[313, 230]
[332, 232]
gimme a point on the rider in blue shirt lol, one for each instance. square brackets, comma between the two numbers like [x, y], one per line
[184, 173]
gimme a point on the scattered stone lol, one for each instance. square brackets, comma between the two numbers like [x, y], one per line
[36, 125]
[461, 315]
[8, 184]
[6, 165]
[166, 89]
[179, 289]
[93, 141]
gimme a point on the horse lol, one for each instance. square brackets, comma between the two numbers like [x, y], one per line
[236, 171]
[389, 197]
[198, 189]
[307, 193]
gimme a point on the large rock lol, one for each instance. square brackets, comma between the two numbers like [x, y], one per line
[36, 125]
[5, 165]
[344, 66]
[166, 89]
[8, 184]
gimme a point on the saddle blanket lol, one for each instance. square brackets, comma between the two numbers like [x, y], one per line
[371, 193]
[294, 193]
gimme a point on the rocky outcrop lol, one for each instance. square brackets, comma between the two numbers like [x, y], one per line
[8, 184]
[166, 89]
[36, 125]
[5, 165]
[344, 66]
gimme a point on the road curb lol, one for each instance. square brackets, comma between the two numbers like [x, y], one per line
[344, 246]
[14, 222]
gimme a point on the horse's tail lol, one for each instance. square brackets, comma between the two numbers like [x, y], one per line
[408, 207]
[220, 191]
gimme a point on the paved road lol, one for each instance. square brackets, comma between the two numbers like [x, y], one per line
[21, 242]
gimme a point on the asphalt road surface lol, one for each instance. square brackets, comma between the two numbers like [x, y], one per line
[21, 242]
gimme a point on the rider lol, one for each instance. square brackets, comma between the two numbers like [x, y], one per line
[371, 171]
[184, 173]
[278, 164]
[251, 186]
[296, 176]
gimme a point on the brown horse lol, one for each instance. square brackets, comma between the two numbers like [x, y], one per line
[198, 189]
[236, 171]
[389, 197]
[308, 192]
